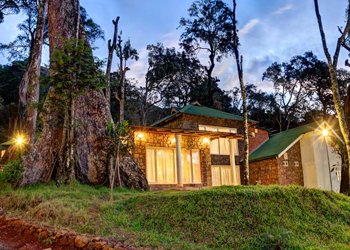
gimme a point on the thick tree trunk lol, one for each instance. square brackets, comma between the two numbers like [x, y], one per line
[43, 157]
[30, 86]
[92, 154]
[74, 140]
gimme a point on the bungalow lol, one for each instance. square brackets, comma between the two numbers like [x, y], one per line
[198, 146]
[195, 146]
[302, 156]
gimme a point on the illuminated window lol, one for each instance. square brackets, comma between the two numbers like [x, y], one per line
[161, 166]
[220, 146]
[222, 175]
[296, 164]
[285, 164]
[191, 172]
[285, 156]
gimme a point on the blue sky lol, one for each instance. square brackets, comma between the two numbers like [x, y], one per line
[270, 30]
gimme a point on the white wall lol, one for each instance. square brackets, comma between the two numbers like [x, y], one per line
[315, 162]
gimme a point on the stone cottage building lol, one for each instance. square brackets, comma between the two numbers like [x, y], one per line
[198, 146]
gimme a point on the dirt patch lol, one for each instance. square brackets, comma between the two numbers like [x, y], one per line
[16, 234]
[12, 239]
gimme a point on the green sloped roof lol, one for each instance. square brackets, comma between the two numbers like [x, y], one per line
[203, 111]
[279, 142]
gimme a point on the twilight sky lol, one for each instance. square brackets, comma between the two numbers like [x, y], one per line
[270, 30]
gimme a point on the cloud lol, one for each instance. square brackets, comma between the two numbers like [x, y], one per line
[283, 9]
[138, 68]
[248, 27]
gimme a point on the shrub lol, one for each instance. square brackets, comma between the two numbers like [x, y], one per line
[12, 171]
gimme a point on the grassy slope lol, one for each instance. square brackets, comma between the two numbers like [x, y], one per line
[221, 218]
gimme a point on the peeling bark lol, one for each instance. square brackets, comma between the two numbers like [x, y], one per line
[92, 154]
[29, 86]
[43, 157]
[74, 141]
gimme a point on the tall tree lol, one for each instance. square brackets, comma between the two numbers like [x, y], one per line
[74, 142]
[21, 46]
[332, 67]
[208, 29]
[239, 64]
[112, 46]
[61, 142]
[29, 88]
[125, 52]
[8, 7]
[290, 80]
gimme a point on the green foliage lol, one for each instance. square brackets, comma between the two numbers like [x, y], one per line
[12, 172]
[209, 23]
[249, 217]
[121, 135]
[76, 71]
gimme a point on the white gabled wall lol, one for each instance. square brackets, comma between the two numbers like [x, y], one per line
[315, 162]
[308, 161]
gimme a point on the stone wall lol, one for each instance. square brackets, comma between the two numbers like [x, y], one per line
[257, 136]
[273, 170]
[167, 140]
[32, 233]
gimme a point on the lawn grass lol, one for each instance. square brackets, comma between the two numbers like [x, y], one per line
[253, 217]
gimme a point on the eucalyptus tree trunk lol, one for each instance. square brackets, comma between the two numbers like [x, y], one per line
[74, 142]
[332, 67]
[30, 87]
[239, 64]
[43, 157]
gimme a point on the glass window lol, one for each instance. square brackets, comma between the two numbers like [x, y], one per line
[160, 166]
[222, 175]
[214, 147]
[220, 146]
[191, 173]
[151, 165]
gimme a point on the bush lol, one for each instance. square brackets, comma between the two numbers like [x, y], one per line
[12, 172]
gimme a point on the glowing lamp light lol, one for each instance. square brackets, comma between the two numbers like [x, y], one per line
[140, 136]
[325, 132]
[172, 140]
[20, 140]
[206, 140]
